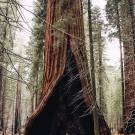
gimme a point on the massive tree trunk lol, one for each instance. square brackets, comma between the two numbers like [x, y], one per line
[131, 4]
[67, 100]
[129, 65]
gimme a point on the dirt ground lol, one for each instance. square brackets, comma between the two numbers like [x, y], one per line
[120, 134]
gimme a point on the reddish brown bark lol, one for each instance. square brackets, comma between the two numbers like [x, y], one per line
[68, 36]
[129, 67]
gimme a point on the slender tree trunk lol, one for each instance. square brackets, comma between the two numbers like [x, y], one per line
[32, 102]
[37, 94]
[1, 98]
[2, 44]
[2, 89]
[100, 69]
[121, 55]
[4, 102]
[17, 125]
[92, 62]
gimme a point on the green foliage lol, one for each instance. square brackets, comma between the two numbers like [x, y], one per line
[35, 49]
[111, 12]
[112, 15]
[98, 42]
[114, 98]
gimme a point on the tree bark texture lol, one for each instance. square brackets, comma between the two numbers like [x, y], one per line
[67, 101]
[129, 66]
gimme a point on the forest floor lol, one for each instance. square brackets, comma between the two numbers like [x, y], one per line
[116, 134]
[22, 134]
[120, 134]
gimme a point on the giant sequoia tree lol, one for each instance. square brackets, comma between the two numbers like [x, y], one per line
[67, 101]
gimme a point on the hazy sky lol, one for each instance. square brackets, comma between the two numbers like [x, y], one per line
[100, 3]
[112, 47]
